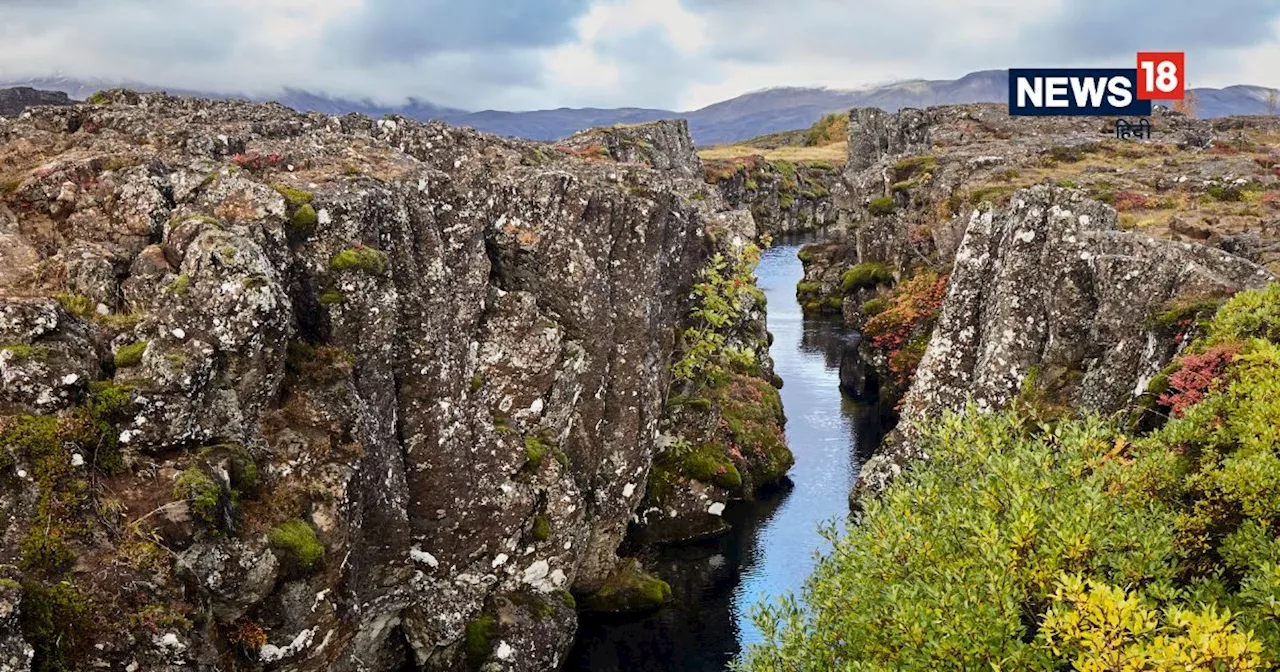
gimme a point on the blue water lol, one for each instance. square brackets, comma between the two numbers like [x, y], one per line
[774, 541]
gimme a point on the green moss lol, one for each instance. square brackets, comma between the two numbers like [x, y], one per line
[866, 275]
[477, 382]
[200, 492]
[786, 201]
[882, 206]
[44, 551]
[566, 597]
[23, 352]
[874, 306]
[332, 296]
[534, 450]
[367, 259]
[541, 528]
[296, 198]
[805, 255]
[997, 194]
[629, 588]
[55, 620]
[181, 285]
[752, 185]
[479, 639]
[99, 98]
[298, 541]
[129, 356]
[304, 220]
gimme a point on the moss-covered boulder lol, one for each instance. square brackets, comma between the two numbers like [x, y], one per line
[629, 588]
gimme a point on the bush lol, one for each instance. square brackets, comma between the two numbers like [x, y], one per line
[299, 543]
[865, 276]
[1044, 548]
[881, 206]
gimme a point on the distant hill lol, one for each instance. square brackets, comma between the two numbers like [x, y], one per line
[746, 116]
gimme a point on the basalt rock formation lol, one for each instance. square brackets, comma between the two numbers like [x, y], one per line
[291, 391]
[989, 257]
[1048, 298]
[784, 197]
[15, 100]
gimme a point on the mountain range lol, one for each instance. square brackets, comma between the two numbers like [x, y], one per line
[733, 120]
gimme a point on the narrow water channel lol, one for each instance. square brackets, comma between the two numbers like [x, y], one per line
[774, 541]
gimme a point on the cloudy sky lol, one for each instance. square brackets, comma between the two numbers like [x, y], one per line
[674, 54]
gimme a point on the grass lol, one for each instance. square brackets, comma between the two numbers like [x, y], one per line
[834, 153]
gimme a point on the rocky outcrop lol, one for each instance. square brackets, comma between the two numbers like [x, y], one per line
[16, 100]
[784, 197]
[664, 146]
[721, 436]
[323, 393]
[1049, 294]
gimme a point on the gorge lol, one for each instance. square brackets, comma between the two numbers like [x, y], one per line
[299, 392]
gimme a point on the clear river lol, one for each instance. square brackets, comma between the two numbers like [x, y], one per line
[775, 540]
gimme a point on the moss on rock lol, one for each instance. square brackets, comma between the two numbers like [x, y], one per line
[367, 259]
[478, 640]
[629, 588]
[299, 543]
[129, 356]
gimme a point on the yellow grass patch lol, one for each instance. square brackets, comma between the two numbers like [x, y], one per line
[835, 153]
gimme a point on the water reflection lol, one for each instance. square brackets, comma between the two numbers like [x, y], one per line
[774, 541]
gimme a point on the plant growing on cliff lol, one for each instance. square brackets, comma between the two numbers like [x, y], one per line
[866, 275]
[722, 295]
[902, 329]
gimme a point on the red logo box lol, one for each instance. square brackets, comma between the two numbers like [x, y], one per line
[1161, 75]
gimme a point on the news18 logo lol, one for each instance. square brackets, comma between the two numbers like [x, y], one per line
[1106, 92]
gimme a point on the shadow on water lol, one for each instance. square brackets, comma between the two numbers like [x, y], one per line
[774, 541]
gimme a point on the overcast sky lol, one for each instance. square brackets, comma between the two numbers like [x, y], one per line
[674, 54]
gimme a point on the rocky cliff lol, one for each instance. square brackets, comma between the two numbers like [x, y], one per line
[989, 258]
[783, 196]
[14, 101]
[302, 392]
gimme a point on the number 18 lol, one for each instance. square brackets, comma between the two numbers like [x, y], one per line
[1161, 75]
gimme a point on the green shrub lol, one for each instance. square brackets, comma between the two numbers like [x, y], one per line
[1044, 547]
[298, 541]
[129, 356]
[367, 259]
[882, 206]
[865, 276]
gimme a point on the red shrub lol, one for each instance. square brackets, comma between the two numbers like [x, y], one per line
[255, 162]
[1130, 200]
[901, 331]
[1197, 376]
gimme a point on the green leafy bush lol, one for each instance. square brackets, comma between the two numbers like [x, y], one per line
[1044, 547]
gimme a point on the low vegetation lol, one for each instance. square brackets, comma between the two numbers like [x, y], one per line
[1068, 544]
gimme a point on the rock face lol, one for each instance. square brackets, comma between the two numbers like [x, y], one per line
[369, 389]
[13, 101]
[664, 146]
[1048, 292]
[783, 197]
